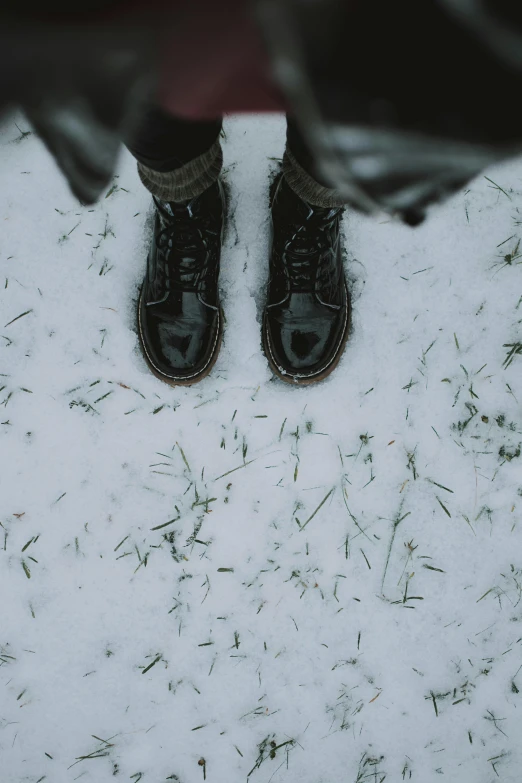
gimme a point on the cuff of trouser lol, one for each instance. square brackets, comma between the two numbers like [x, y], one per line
[186, 182]
[306, 187]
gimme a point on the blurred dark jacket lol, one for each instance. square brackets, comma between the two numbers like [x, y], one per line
[401, 102]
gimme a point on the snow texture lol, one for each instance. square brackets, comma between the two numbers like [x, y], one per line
[246, 581]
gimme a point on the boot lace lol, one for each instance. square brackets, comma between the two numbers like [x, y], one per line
[183, 241]
[307, 248]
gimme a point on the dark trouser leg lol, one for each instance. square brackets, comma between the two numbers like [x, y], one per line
[301, 173]
[177, 159]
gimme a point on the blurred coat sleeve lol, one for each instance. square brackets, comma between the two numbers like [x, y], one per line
[80, 79]
[401, 101]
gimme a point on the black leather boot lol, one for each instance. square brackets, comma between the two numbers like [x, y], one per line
[307, 315]
[180, 322]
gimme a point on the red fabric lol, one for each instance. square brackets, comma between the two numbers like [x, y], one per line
[213, 62]
[211, 57]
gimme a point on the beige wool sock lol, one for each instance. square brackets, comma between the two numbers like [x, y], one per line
[306, 187]
[186, 182]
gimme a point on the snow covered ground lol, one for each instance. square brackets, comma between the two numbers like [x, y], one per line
[245, 580]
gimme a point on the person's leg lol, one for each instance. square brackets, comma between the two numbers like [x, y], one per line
[177, 158]
[301, 172]
[307, 316]
[179, 317]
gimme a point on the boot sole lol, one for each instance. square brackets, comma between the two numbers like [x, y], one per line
[173, 381]
[297, 380]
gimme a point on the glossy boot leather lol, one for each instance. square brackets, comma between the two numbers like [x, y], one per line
[307, 315]
[180, 322]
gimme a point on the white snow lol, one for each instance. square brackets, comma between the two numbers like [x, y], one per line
[379, 638]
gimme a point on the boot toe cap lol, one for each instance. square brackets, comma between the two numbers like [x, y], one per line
[302, 351]
[177, 349]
